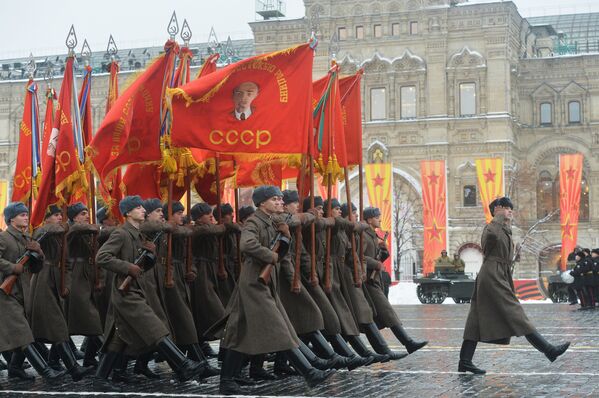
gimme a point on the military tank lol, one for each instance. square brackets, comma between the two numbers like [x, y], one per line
[437, 286]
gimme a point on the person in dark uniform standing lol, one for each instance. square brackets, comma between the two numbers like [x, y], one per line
[579, 272]
[46, 317]
[15, 333]
[132, 326]
[495, 312]
[256, 322]
[595, 268]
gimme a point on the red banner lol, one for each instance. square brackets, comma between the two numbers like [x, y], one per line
[130, 132]
[48, 121]
[258, 105]
[489, 173]
[28, 156]
[379, 183]
[570, 178]
[434, 211]
[351, 103]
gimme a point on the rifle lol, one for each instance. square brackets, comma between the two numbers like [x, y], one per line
[279, 245]
[147, 258]
[10, 280]
[379, 257]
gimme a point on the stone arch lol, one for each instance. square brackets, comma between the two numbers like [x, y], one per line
[348, 65]
[467, 58]
[573, 144]
[358, 10]
[377, 152]
[408, 62]
[376, 64]
[393, 6]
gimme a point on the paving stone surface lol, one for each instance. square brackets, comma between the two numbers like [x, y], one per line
[517, 370]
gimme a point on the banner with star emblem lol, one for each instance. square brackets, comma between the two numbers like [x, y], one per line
[434, 211]
[570, 178]
[489, 173]
[379, 183]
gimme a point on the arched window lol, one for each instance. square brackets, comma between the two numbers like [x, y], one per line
[574, 112]
[545, 193]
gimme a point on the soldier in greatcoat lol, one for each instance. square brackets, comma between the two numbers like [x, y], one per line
[81, 311]
[46, 317]
[386, 317]
[15, 333]
[102, 297]
[132, 326]
[226, 285]
[495, 312]
[256, 321]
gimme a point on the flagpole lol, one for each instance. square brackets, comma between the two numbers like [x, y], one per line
[221, 273]
[361, 212]
[313, 276]
[189, 258]
[295, 285]
[237, 236]
[350, 212]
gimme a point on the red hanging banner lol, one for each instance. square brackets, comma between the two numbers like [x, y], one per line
[570, 178]
[434, 211]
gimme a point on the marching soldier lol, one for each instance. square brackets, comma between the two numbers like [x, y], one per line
[229, 239]
[82, 314]
[495, 312]
[107, 226]
[256, 322]
[47, 319]
[15, 333]
[133, 327]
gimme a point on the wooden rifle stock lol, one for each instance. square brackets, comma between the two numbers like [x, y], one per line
[9, 281]
[264, 277]
[124, 287]
[296, 284]
[376, 272]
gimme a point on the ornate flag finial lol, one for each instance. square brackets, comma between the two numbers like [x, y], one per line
[111, 49]
[71, 41]
[186, 33]
[213, 43]
[334, 46]
[173, 26]
[86, 52]
[31, 67]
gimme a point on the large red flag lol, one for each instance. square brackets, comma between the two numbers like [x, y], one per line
[434, 211]
[130, 132]
[48, 121]
[570, 177]
[85, 110]
[351, 104]
[329, 142]
[257, 105]
[208, 66]
[28, 157]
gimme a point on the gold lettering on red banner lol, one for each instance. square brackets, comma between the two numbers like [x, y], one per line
[259, 138]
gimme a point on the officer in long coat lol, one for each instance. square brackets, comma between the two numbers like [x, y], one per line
[46, 317]
[226, 285]
[82, 313]
[256, 321]
[495, 312]
[102, 296]
[15, 334]
[132, 326]
[385, 317]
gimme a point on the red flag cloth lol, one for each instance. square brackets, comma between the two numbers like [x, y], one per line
[28, 157]
[209, 66]
[113, 86]
[329, 143]
[257, 105]
[48, 121]
[351, 107]
[259, 172]
[130, 132]
[570, 179]
[434, 211]
[142, 180]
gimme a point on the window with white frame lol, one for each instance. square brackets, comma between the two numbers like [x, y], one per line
[407, 97]
[467, 99]
[378, 104]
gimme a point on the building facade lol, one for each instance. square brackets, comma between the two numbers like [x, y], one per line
[443, 80]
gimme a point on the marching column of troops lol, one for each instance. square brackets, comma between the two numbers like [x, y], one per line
[232, 282]
[585, 287]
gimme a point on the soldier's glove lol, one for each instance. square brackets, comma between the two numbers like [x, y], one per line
[284, 229]
[134, 270]
[190, 277]
[34, 247]
[149, 246]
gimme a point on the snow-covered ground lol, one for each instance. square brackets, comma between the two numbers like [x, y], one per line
[405, 293]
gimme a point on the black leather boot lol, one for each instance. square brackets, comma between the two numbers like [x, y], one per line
[100, 381]
[184, 368]
[358, 345]
[466, 355]
[54, 358]
[551, 351]
[406, 340]
[141, 366]
[194, 352]
[257, 371]
[321, 344]
[341, 348]
[40, 365]
[312, 375]
[66, 354]
[94, 343]
[3, 365]
[42, 349]
[281, 368]
[229, 372]
[78, 354]
[319, 363]
[15, 367]
[119, 369]
[207, 350]
[378, 343]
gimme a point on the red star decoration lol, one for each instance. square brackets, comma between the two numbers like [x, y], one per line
[567, 229]
[432, 179]
[435, 231]
[378, 181]
[489, 176]
[570, 173]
